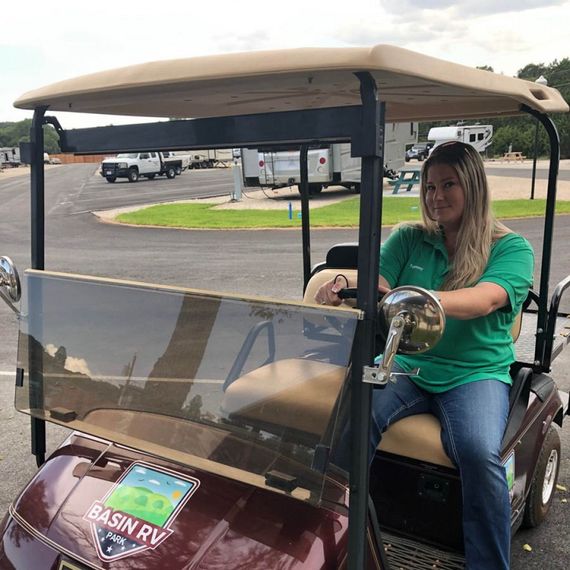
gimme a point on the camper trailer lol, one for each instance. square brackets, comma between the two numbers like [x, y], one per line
[327, 165]
[478, 136]
[9, 156]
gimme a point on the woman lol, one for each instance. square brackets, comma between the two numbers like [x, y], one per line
[481, 272]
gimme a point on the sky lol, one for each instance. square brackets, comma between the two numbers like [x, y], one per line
[44, 42]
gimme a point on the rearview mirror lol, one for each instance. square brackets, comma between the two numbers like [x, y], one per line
[413, 321]
[10, 288]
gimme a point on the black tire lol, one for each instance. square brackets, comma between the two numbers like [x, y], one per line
[133, 175]
[178, 170]
[356, 188]
[543, 483]
[150, 176]
[170, 173]
[110, 179]
[315, 189]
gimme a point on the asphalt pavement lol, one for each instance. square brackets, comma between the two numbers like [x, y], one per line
[259, 262]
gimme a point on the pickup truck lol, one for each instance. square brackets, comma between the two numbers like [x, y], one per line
[179, 161]
[133, 165]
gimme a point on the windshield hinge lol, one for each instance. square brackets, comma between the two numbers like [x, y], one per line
[19, 377]
[373, 375]
[370, 375]
[281, 480]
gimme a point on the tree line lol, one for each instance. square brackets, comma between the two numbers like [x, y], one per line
[517, 133]
[12, 134]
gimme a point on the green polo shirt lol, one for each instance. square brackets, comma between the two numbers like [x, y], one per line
[470, 350]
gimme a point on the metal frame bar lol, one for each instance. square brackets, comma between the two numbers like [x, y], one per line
[545, 324]
[369, 146]
[549, 353]
[37, 207]
[335, 124]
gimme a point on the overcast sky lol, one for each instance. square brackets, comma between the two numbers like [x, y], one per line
[44, 42]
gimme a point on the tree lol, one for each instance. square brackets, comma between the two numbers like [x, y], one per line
[12, 134]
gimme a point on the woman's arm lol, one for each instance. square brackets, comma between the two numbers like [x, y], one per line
[473, 302]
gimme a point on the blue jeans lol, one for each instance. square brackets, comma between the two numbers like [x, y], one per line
[473, 418]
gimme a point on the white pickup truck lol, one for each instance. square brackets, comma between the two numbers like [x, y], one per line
[133, 165]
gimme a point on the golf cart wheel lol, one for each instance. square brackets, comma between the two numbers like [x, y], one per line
[133, 175]
[178, 170]
[315, 189]
[544, 482]
[110, 179]
[170, 173]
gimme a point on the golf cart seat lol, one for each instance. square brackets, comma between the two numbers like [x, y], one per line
[419, 436]
[293, 394]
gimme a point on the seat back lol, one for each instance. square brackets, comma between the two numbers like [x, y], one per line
[322, 277]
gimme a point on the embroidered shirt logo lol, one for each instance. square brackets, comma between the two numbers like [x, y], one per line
[416, 267]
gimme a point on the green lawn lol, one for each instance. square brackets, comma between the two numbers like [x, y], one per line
[341, 214]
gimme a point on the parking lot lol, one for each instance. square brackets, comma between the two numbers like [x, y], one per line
[76, 241]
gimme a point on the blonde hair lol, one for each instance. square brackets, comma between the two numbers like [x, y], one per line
[479, 228]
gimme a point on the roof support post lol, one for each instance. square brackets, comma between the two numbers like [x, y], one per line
[368, 143]
[545, 325]
[37, 205]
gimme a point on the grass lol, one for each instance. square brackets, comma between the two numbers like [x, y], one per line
[340, 214]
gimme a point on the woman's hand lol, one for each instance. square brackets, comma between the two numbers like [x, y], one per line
[328, 292]
[382, 290]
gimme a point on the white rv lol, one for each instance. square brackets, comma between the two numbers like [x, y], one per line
[10, 156]
[330, 165]
[478, 136]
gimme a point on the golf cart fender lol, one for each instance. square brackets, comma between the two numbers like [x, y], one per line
[545, 407]
[223, 523]
[544, 390]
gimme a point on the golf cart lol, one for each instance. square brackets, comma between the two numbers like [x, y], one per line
[204, 425]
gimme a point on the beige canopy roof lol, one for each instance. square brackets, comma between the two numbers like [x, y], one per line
[415, 87]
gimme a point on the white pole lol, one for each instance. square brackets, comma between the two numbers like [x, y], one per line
[237, 181]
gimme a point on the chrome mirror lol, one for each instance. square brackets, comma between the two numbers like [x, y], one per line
[10, 288]
[413, 321]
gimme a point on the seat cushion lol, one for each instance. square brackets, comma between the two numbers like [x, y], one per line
[417, 437]
[293, 393]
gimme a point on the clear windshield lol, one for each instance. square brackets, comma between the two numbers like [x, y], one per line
[127, 155]
[242, 387]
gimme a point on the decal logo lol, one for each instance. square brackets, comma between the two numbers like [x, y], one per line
[136, 514]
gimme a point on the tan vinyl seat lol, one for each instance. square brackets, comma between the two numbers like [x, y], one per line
[293, 393]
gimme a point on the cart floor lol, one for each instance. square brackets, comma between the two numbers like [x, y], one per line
[406, 554]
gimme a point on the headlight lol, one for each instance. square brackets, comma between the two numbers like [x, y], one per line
[123, 165]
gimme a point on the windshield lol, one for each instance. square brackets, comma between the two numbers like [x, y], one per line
[242, 387]
[127, 155]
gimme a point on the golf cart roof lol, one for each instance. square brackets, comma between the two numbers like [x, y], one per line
[414, 86]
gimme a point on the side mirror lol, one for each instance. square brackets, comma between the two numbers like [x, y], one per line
[10, 288]
[414, 320]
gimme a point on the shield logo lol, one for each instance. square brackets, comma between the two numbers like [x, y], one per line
[136, 514]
